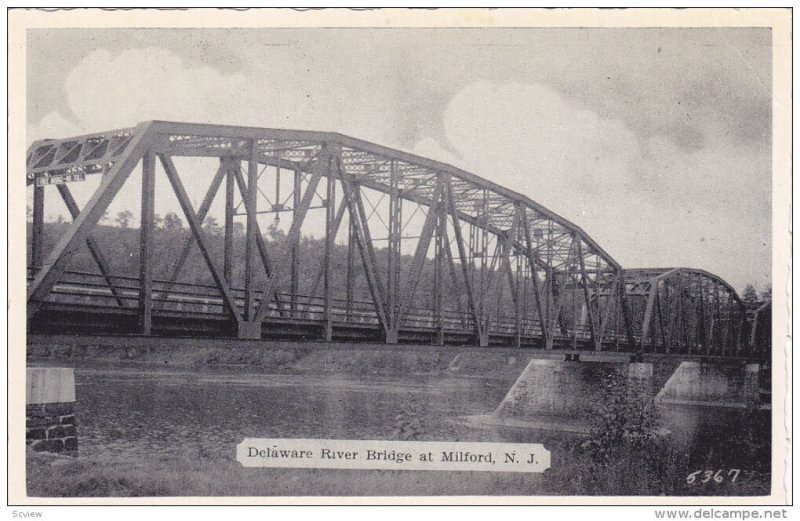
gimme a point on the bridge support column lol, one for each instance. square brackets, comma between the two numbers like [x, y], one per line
[37, 240]
[714, 384]
[752, 385]
[483, 338]
[639, 382]
[50, 410]
[249, 330]
[391, 336]
[564, 394]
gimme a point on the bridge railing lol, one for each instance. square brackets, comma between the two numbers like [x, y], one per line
[92, 290]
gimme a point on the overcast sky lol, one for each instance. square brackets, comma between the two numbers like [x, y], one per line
[656, 142]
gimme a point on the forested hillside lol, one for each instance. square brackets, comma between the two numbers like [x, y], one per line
[120, 244]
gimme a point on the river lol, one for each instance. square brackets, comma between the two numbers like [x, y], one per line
[130, 414]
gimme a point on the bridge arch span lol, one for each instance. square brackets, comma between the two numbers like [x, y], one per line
[412, 250]
[685, 310]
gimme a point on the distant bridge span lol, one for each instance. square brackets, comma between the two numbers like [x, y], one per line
[414, 251]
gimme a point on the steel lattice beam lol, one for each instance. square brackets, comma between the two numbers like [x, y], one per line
[578, 291]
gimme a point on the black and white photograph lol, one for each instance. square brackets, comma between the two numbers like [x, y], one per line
[430, 255]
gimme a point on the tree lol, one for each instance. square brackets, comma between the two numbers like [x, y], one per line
[766, 295]
[238, 229]
[158, 221]
[211, 226]
[172, 222]
[750, 297]
[124, 218]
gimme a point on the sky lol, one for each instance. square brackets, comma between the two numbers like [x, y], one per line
[656, 142]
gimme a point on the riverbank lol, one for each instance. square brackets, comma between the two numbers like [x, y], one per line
[279, 357]
[163, 419]
[210, 476]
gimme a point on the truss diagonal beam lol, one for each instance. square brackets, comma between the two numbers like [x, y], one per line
[355, 206]
[318, 171]
[419, 257]
[202, 212]
[91, 243]
[199, 234]
[82, 226]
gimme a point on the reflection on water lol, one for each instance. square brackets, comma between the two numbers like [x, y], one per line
[127, 414]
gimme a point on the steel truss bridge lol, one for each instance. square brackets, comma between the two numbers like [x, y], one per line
[419, 250]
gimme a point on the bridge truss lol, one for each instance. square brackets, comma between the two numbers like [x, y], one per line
[432, 253]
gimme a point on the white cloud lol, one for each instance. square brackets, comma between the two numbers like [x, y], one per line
[647, 204]
[107, 91]
[53, 125]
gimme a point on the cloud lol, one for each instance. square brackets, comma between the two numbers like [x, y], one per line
[107, 91]
[648, 202]
[682, 195]
[53, 125]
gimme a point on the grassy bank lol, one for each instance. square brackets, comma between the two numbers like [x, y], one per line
[625, 454]
[283, 357]
[51, 476]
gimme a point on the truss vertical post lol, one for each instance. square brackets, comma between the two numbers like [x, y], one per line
[623, 302]
[484, 254]
[295, 275]
[543, 311]
[146, 243]
[465, 262]
[261, 243]
[351, 261]
[330, 234]
[438, 275]
[702, 338]
[452, 268]
[268, 287]
[660, 315]
[428, 229]
[648, 314]
[717, 338]
[37, 239]
[393, 261]
[358, 216]
[513, 281]
[251, 202]
[517, 290]
[321, 271]
[230, 181]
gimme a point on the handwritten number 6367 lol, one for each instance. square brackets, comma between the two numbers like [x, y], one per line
[704, 476]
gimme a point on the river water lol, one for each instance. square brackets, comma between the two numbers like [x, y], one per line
[139, 414]
[125, 413]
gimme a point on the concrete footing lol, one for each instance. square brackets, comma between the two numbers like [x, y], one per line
[249, 330]
[569, 389]
[50, 410]
[700, 383]
[551, 391]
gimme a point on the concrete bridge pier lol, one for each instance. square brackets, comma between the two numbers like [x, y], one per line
[50, 410]
[566, 392]
[713, 384]
[249, 330]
